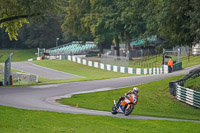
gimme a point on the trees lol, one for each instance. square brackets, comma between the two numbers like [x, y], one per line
[175, 21]
[38, 33]
[113, 20]
[14, 13]
[75, 12]
[86, 19]
[194, 14]
[133, 23]
[41, 34]
[103, 21]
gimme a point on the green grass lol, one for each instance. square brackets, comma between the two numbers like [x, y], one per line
[154, 100]
[193, 83]
[156, 61]
[89, 73]
[18, 55]
[14, 120]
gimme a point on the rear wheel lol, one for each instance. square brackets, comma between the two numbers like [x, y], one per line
[114, 110]
[129, 110]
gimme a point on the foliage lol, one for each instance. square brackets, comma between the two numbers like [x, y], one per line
[131, 19]
[18, 55]
[174, 20]
[75, 11]
[159, 49]
[104, 20]
[68, 37]
[14, 13]
[39, 34]
[193, 83]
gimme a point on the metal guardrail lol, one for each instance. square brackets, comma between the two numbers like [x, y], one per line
[188, 96]
[183, 94]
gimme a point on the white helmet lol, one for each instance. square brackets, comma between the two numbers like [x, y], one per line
[135, 90]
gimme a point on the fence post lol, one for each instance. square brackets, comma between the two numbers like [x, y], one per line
[172, 87]
[7, 71]
[178, 55]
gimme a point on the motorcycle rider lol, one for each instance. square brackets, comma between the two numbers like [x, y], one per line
[135, 92]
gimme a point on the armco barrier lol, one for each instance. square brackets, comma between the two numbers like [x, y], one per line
[114, 68]
[183, 94]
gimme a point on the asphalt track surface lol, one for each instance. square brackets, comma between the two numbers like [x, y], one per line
[42, 71]
[42, 97]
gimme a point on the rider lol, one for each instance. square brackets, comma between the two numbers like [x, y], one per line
[135, 92]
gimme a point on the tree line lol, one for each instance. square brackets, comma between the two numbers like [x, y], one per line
[38, 23]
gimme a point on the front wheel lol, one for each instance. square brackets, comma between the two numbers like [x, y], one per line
[128, 110]
[114, 110]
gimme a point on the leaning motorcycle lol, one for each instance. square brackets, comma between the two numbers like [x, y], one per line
[126, 106]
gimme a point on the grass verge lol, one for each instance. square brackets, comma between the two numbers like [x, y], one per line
[193, 83]
[154, 100]
[89, 73]
[18, 55]
[156, 61]
[19, 120]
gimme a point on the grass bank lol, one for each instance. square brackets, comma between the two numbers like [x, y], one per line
[156, 61]
[19, 121]
[193, 83]
[89, 73]
[154, 100]
[18, 55]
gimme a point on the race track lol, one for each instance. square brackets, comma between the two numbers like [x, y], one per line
[42, 97]
[42, 71]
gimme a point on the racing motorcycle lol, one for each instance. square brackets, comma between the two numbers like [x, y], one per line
[126, 106]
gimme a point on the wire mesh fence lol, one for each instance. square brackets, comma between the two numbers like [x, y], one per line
[21, 78]
[115, 60]
[146, 65]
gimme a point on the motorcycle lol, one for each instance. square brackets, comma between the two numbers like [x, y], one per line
[126, 106]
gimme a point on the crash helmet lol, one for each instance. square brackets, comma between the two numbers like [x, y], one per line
[135, 90]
